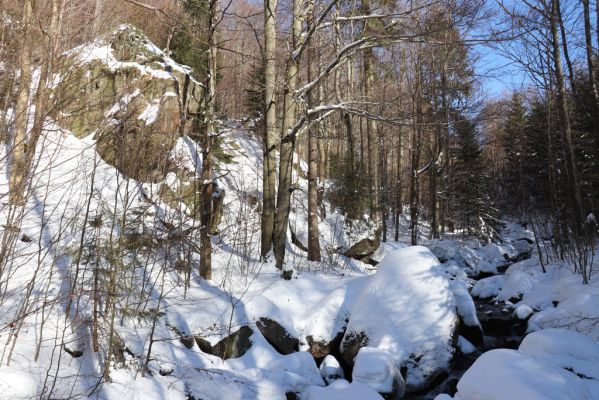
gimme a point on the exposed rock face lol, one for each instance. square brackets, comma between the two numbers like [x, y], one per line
[233, 346]
[364, 248]
[320, 348]
[132, 97]
[277, 336]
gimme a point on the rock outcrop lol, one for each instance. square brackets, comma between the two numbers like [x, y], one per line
[132, 97]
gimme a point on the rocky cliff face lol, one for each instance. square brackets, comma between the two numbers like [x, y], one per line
[132, 97]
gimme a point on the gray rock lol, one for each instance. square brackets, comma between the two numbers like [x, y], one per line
[233, 346]
[277, 336]
[108, 100]
[364, 248]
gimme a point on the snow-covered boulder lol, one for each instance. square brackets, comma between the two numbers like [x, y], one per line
[342, 390]
[509, 374]
[454, 251]
[470, 326]
[488, 287]
[330, 370]
[377, 369]
[408, 309]
[326, 323]
[568, 349]
[578, 312]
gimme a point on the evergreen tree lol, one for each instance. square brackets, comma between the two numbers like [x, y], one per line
[189, 44]
[475, 210]
[514, 146]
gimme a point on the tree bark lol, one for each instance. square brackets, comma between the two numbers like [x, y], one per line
[207, 155]
[18, 171]
[371, 126]
[97, 14]
[313, 155]
[287, 146]
[398, 185]
[270, 109]
[589, 53]
[566, 129]
[313, 240]
[415, 158]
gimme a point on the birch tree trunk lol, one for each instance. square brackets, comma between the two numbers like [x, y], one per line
[270, 109]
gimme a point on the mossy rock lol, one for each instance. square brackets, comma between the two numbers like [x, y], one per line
[108, 100]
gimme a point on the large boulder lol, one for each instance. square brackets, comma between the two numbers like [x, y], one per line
[132, 97]
[407, 309]
[363, 248]
[509, 374]
[377, 369]
[234, 345]
[342, 390]
[277, 336]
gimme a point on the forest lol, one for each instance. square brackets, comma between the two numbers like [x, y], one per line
[299, 199]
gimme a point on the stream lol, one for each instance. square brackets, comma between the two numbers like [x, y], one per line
[500, 329]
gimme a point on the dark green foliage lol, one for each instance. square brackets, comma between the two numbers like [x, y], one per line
[189, 44]
[254, 92]
[474, 208]
[350, 187]
[514, 141]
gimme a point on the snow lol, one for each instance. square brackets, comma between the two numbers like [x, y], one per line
[465, 305]
[342, 390]
[570, 350]
[408, 309]
[465, 346]
[330, 370]
[509, 374]
[377, 369]
[550, 364]
[488, 287]
[523, 311]
[150, 114]
[578, 312]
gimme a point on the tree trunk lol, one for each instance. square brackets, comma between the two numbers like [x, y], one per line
[18, 171]
[41, 96]
[415, 160]
[97, 15]
[313, 241]
[566, 129]
[207, 162]
[313, 155]
[398, 187]
[590, 62]
[371, 126]
[270, 109]
[287, 140]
